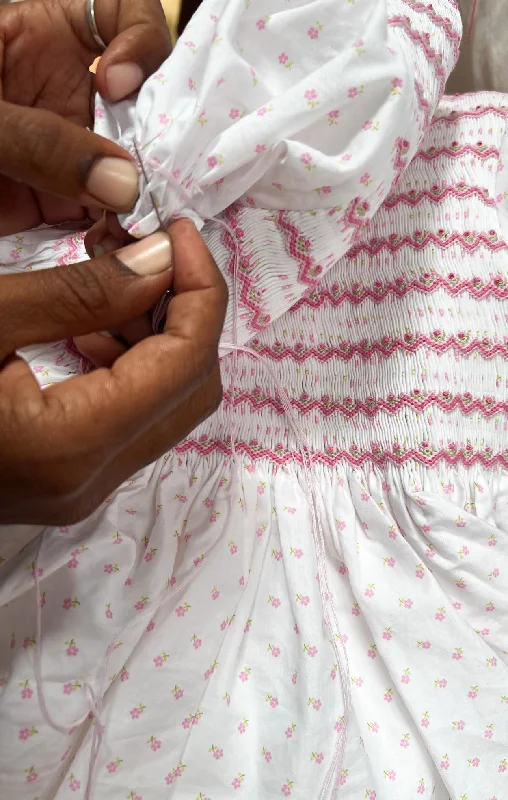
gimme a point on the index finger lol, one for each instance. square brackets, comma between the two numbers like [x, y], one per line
[111, 407]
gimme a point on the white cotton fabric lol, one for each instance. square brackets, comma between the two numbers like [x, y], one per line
[394, 360]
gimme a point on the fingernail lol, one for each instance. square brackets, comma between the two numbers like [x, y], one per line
[107, 245]
[123, 79]
[114, 183]
[106, 334]
[148, 256]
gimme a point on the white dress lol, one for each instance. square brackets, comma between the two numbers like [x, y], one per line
[183, 649]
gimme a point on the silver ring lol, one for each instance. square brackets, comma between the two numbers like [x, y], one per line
[92, 24]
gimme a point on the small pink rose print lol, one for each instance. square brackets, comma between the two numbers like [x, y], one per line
[373, 727]
[371, 652]
[139, 606]
[355, 610]
[108, 613]
[388, 696]
[68, 604]
[275, 651]
[457, 654]
[404, 742]
[457, 606]
[181, 611]
[311, 650]
[244, 674]
[155, 744]
[419, 572]
[489, 732]
[445, 763]
[113, 765]
[313, 33]
[502, 765]
[242, 726]
[425, 720]
[339, 725]
[266, 754]
[406, 676]
[390, 774]
[290, 731]
[177, 692]
[490, 606]
[387, 634]
[31, 775]
[215, 594]
[397, 83]
[71, 650]
[369, 591]
[352, 92]
[473, 692]
[124, 674]
[286, 788]
[260, 148]
[440, 614]
[458, 725]
[74, 784]
[474, 762]
[440, 683]
[216, 752]
[261, 24]
[318, 758]
[237, 782]
[389, 562]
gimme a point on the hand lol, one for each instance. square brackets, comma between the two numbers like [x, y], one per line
[65, 449]
[51, 167]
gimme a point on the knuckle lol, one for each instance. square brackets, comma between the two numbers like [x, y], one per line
[80, 292]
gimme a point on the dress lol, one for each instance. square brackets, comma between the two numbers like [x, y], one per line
[185, 614]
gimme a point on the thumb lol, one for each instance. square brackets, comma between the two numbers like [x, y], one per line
[101, 294]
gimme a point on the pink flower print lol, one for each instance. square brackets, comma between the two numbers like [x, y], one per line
[457, 605]
[234, 113]
[311, 97]
[406, 602]
[149, 556]
[283, 58]
[215, 594]
[315, 703]
[29, 641]
[154, 743]
[177, 692]
[248, 626]
[233, 549]
[369, 591]
[286, 788]
[390, 774]
[356, 610]
[333, 117]
[406, 676]
[397, 83]
[260, 148]
[267, 755]
[425, 644]
[370, 794]
[216, 752]
[311, 650]
[440, 614]
[341, 526]
[237, 782]
[490, 606]
[24, 733]
[404, 742]
[242, 726]
[392, 532]
[313, 33]
[124, 674]
[74, 784]
[458, 725]
[72, 563]
[494, 573]
[128, 582]
[445, 762]
[108, 568]
[181, 611]
[388, 696]
[371, 652]
[492, 540]
[419, 572]
[442, 683]
[31, 775]
[244, 674]
[67, 688]
[425, 720]
[365, 179]
[373, 727]
[489, 732]
[318, 758]
[139, 606]
[339, 724]
[352, 92]
[389, 561]
[296, 552]
[277, 554]
[117, 539]
[72, 650]
[290, 730]
[261, 24]
[272, 700]
[502, 765]
[457, 654]
[474, 762]
[473, 692]
[274, 602]
[492, 661]
[275, 651]
[113, 765]
[387, 634]
[306, 158]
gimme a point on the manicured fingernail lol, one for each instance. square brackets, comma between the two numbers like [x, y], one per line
[114, 182]
[123, 79]
[148, 256]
